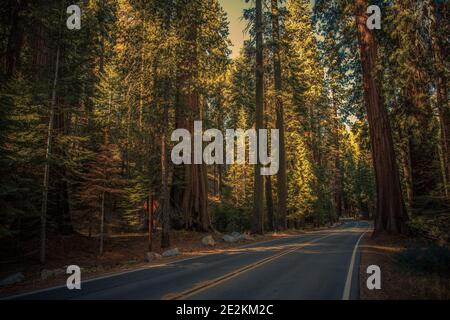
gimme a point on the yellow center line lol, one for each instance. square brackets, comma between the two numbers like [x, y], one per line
[214, 282]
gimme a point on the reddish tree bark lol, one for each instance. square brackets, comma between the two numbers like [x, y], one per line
[193, 198]
[390, 213]
[281, 178]
[257, 223]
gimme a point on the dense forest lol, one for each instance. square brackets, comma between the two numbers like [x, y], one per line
[87, 116]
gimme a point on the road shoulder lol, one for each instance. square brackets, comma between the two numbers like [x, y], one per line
[399, 280]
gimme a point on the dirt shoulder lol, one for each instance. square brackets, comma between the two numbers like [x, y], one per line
[123, 252]
[399, 259]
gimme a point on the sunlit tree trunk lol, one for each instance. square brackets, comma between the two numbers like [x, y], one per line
[337, 175]
[257, 225]
[269, 204]
[281, 178]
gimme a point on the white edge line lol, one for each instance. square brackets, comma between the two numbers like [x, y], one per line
[348, 281]
[254, 266]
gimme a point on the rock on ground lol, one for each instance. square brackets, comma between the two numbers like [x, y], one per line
[236, 235]
[151, 256]
[12, 279]
[208, 241]
[228, 238]
[171, 252]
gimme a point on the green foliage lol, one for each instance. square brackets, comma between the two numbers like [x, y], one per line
[430, 218]
[301, 178]
[228, 218]
[358, 176]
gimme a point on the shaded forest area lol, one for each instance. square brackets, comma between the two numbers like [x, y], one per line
[87, 115]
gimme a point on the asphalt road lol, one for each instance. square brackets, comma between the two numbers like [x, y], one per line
[318, 265]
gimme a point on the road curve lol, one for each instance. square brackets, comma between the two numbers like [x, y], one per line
[318, 265]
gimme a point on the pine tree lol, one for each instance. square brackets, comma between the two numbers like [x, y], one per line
[101, 183]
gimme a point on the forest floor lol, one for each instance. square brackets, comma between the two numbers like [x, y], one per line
[411, 268]
[123, 252]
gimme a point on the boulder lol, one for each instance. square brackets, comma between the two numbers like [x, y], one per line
[208, 241]
[171, 252]
[152, 256]
[236, 235]
[12, 279]
[47, 274]
[228, 238]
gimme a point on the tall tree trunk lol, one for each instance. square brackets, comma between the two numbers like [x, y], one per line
[48, 154]
[142, 79]
[102, 224]
[220, 127]
[281, 178]
[391, 214]
[194, 194]
[257, 225]
[215, 192]
[128, 142]
[405, 150]
[219, 186]
[441, 89]
[337, 176]
[165, 201]
[408, 174]
[15, 39]
[269, 204]
[150, 221]
[337, 186]
[443, 169]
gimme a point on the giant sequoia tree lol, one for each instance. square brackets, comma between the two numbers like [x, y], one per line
[257, 226]
[281, 178]
[391, 215]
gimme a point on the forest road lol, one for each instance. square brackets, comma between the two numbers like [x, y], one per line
[317, 265]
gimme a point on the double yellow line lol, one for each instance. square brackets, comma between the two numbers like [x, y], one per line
[214, 282]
